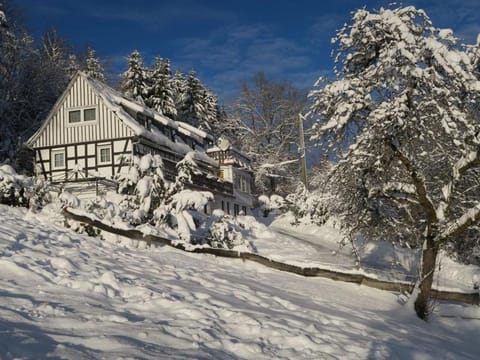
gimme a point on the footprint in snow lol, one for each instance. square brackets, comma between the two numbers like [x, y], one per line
[20, 237]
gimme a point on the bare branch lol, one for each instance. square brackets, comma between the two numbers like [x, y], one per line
[418, 182]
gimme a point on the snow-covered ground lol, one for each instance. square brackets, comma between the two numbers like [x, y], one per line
[64, 295]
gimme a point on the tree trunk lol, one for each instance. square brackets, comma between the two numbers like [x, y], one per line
[429, 256]
[273, 185]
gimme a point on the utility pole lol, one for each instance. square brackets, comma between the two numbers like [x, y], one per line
[301, 150]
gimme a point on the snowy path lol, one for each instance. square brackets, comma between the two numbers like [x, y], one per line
[326, 253]
[68, 296]
[323, 255]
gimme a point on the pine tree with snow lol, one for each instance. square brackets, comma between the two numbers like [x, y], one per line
[211, 111]
[192, 107]
[160, 90]
[400, 117]
[93, 67]
[134, 79]
[178, 85]
[150, 198]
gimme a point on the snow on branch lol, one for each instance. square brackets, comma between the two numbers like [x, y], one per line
[458, 226]
[459, 169]
[399, 187]
[283, 163]
[418, 182]
[395, 191]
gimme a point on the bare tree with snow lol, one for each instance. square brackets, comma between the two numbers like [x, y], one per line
[31, 79]
[400, 115]
[264, 122]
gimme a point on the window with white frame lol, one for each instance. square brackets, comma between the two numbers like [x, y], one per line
[104, 154]
[58, 159]
[89, 115]
[74, 116]
[79, 116]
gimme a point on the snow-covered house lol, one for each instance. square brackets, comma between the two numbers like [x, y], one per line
[234, 168]
[83, 142]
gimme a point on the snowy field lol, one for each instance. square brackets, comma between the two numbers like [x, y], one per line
[64, 295]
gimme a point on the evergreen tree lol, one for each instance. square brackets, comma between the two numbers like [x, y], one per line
[93, 67]
[134, 79]
[192, 108]
[160, 91]
[211, 111]
[178, 85]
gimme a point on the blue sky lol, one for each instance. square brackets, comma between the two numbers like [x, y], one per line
[225, 41]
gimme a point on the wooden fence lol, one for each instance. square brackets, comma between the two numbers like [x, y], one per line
[360, 279]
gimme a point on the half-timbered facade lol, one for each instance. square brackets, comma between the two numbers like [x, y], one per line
[92, 129]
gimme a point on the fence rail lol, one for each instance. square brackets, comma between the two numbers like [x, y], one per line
[360, 279]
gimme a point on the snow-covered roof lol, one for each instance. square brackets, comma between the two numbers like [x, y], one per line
[114, 98]
[193, 132]
[118, 103]
[236, 157]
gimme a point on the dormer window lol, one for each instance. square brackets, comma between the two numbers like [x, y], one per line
[83, 115]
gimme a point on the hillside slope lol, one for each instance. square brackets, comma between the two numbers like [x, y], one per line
[64, 295]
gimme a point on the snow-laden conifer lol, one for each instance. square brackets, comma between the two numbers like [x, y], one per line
[161, 92]
[192, 108]
[134, 79]
[178, 89]
[93, 67]
[149, 198]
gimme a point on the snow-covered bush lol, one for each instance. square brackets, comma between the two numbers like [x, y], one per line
[108, 210]
[271, 205]
[149, 198]
[14, 188]
[69, 200]
[307, 207]
[181, 213]
[222, 231]
[143, 183]
[39, 194]
[20, 190]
